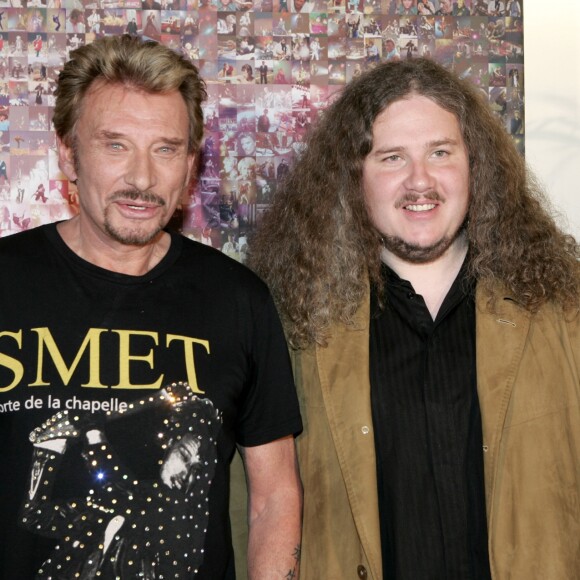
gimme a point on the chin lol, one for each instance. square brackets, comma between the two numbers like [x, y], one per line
[132, 237]
[416, 252]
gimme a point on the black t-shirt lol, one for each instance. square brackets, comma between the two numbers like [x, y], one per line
[169, 371]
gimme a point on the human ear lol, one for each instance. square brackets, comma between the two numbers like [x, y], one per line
[66, 160]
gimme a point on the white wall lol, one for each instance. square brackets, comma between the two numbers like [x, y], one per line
[552, 101]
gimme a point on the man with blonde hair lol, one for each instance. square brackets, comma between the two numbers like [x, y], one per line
[109, 308]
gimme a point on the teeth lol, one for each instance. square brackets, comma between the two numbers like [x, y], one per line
[138, 207]
[422, 207]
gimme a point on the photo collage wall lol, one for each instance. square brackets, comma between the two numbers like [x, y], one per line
[271, 67]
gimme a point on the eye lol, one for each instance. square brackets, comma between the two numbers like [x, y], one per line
[392, 158]
[441, 153]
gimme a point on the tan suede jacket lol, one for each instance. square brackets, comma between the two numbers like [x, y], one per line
[528, 376]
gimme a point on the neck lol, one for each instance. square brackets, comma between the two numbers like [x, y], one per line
[106, 253]
[434, 279]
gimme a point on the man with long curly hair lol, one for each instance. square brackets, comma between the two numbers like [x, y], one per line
[432, 306]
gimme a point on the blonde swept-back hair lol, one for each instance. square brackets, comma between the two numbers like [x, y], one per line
[133, 62]
[318, 250]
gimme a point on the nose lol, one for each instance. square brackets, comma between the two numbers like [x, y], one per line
[141, 171]
[418, 176]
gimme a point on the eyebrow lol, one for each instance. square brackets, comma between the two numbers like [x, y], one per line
[429, 145]
[116, 135]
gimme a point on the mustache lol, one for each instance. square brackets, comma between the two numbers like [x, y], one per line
[135, 194]
[412, 197]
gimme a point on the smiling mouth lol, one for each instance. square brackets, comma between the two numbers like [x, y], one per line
[418, 207]
[138, 207]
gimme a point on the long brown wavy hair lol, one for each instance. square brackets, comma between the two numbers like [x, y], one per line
[318, 250]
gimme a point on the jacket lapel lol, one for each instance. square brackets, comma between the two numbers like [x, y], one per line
[344, 375]
[500, 339]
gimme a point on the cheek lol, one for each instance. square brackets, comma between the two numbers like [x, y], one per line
[377, 204]
[379, 188]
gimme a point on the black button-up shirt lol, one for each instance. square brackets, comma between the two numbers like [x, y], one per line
[428, 439]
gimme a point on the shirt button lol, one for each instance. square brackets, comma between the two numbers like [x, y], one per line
[361, 572]
[365, 430]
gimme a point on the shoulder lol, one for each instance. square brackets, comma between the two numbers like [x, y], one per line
[27, 242]
[496, 303]
[214, 265]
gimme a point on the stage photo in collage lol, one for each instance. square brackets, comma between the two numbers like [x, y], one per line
[271, 67]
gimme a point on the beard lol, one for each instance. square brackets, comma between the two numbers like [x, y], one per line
[133, 236]
[417, 254]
